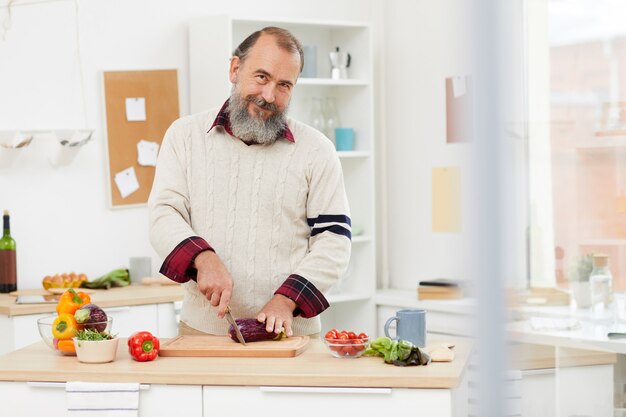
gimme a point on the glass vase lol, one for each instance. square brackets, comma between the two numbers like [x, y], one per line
[317, 117]
[332, 119]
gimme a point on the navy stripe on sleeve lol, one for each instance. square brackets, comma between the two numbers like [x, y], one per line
[329, 218]
[337, 229]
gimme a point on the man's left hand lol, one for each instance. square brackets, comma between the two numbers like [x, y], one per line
[278, 313]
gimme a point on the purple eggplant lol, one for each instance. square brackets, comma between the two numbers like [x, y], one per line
[253, 331]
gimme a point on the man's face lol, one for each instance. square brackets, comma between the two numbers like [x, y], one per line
[262, 85]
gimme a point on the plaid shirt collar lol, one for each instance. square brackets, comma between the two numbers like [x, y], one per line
[223, 119]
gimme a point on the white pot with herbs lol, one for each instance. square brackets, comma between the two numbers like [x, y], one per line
[579, 280]
[94, 343]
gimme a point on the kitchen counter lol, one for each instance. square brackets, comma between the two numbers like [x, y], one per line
[32, 382]
[315, 367]
[122, 296]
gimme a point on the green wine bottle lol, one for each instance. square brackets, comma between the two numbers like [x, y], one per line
[8, 264]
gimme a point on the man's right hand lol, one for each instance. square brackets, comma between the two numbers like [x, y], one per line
[214, 281]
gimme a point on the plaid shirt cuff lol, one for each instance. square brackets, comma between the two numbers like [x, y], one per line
[310, 301]
[178, 266]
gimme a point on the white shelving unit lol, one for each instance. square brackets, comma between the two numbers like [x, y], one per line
[212, 39]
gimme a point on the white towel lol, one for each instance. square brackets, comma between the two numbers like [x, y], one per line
[102, 399]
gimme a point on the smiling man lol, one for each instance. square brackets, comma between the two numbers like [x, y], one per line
[248, 206]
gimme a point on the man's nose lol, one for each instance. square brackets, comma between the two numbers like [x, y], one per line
[269, 92]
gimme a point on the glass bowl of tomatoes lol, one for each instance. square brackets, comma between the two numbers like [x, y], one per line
[346, 344]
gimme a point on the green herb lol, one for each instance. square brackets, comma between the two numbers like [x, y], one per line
[93, 335]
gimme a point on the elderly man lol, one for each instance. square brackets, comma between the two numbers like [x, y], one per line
[248, 206]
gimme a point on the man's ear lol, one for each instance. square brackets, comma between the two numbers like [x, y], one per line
[235, 64]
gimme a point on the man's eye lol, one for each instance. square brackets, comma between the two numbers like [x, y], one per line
[261, 77]
[286, 86]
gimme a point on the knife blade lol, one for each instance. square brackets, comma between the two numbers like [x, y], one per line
[231, 320]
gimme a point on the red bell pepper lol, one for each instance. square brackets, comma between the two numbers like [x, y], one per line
[143, 346]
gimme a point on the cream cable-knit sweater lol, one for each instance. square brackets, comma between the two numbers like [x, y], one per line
[251, 204]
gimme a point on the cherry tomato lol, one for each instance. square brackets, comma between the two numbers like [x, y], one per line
[343, 338]
[349, 350]
[352, 335]
[358, 344]
[364, 336]
[331, 334]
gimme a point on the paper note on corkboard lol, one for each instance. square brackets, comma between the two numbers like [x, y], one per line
[446, 199]
[459, 116]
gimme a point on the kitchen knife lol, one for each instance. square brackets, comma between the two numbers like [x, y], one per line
[231, 320]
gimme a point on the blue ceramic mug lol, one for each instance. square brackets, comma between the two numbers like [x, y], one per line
[344, 138]
[410, 325]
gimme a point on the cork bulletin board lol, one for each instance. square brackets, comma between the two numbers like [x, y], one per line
[158, 92]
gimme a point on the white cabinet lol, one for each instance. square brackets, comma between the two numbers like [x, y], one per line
[370, 402]
[18, 400]
[211, 42]
[27, 399]
[129, 319]
[563, 392]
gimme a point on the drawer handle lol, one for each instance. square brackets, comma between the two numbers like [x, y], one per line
[327, 390]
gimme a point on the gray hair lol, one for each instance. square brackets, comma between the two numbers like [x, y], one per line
[284, 39]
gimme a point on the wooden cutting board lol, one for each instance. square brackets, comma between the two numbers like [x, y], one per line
[223, 346]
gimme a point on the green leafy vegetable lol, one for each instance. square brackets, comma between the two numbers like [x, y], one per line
[115, 278]
[93, 335]
[399, 353]
[404, 349]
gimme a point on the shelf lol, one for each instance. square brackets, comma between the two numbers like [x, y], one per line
[408, 299]
[331, 83]
[354, 97]
[353, 154]
[603, 242]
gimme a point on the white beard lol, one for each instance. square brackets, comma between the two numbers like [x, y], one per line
[254, 129]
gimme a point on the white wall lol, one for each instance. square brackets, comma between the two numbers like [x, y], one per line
[426, 41]
[61, 218]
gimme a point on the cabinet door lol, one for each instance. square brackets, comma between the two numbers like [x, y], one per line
[171, 400]
[27, 399]
[130, 319]
[25, 330]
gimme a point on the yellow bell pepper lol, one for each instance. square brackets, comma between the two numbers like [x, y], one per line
[64, 326]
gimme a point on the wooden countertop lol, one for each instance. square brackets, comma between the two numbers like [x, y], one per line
[113, 297]
[315, 367]
[526, 356]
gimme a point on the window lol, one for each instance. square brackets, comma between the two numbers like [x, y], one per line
[577, 144]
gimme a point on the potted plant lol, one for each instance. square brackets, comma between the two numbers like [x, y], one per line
[93, 346]
[579, 280]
